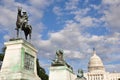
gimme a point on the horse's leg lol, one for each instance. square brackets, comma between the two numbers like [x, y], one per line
[17, 32]
[29, 31]
[30, 36]
[17, 29]
[25, 34]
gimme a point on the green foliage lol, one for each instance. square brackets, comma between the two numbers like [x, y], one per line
[2, 54]
[41, 72]
[1, 57]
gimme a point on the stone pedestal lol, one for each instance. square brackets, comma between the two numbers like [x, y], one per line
[19, 62]
[61, 73]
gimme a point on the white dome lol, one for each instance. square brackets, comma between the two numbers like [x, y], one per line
[95, 63]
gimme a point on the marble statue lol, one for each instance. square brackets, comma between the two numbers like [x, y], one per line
[59, 58]
[80, 75]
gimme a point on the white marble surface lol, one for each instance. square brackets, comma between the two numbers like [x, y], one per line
[13, 63]
[61, 73]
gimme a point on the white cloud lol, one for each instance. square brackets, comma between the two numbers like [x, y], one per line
[112, 16]
[73, 54]
[41, 4]
[71, 39]
[71, 4]
[110, 2]
[57, 11]
[81, 12]
[7, 16]
[96, 7]
[113, 68]
[87, 21]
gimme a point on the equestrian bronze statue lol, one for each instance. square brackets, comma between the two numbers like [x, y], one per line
[22, 24]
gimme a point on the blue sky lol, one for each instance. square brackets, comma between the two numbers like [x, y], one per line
[76, 26]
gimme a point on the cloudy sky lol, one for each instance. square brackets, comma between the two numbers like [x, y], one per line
[75, 26]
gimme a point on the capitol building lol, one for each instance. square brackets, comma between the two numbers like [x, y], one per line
[96, 70]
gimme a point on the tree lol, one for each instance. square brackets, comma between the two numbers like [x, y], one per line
[41, 72]
[2, 54]
[1, 57]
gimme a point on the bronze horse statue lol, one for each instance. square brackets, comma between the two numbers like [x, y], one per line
[22, 23]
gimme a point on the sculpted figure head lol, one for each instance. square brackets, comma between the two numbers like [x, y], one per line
[80, 73]
[59, 55]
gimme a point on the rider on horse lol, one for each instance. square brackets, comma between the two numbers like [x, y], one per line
[25, 19]
[22, 23]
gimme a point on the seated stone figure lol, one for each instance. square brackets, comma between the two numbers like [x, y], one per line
[80, 75]
[59, 58]
[59, 61]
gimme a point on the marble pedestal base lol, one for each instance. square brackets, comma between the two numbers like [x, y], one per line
[19, 61]
[61, 73]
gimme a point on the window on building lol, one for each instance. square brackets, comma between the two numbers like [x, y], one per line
[28, 62]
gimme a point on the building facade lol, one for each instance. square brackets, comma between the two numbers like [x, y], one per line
[96, 70]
